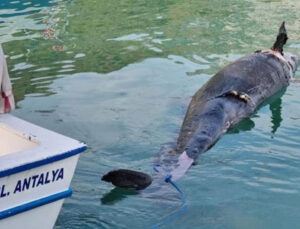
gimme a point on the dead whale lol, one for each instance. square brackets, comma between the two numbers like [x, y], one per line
[230, 96]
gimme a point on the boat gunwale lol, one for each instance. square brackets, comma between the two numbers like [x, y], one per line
[35, 164]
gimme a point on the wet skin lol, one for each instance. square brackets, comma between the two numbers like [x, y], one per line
[231, 95]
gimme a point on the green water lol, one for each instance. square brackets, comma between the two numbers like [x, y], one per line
[118, 75]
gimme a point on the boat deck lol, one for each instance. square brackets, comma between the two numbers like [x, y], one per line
[36, 169]
[13, 141]
[23, 143]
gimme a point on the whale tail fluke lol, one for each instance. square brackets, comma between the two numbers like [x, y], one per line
[129, 179]
[281, 39]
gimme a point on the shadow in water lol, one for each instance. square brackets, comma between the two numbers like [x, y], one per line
[245, 125]
[116, 195]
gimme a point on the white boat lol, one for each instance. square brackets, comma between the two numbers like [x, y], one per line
[36, 169]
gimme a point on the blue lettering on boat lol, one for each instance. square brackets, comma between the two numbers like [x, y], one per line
[26, 183]
[2, 191]
[61, 174]
[18, 186]
[47, 181]
[41, 180]
[34, 181]
[54, 173]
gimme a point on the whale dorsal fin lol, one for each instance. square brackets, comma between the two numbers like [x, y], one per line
[281, 39]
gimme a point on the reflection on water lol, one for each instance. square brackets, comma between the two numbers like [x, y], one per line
[275, 107]
[119, 75]
[53, 38]
[30, 34]
[116, 195]
[245, 125]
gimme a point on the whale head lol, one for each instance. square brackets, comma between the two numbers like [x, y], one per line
[292, 60]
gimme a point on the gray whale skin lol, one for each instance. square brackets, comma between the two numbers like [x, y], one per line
[230, 96]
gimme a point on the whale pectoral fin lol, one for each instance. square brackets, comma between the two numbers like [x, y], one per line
[281, 39]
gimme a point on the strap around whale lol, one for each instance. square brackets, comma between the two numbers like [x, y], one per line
[238, 95]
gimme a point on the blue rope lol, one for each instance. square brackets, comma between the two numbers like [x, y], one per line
[182, 208]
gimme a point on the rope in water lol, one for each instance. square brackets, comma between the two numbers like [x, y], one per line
[182, 208]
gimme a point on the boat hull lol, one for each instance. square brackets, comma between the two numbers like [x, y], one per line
[32, 191]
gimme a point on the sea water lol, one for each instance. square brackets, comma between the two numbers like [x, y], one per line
[119, 75]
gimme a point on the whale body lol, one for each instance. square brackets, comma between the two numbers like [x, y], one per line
[231, 95]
